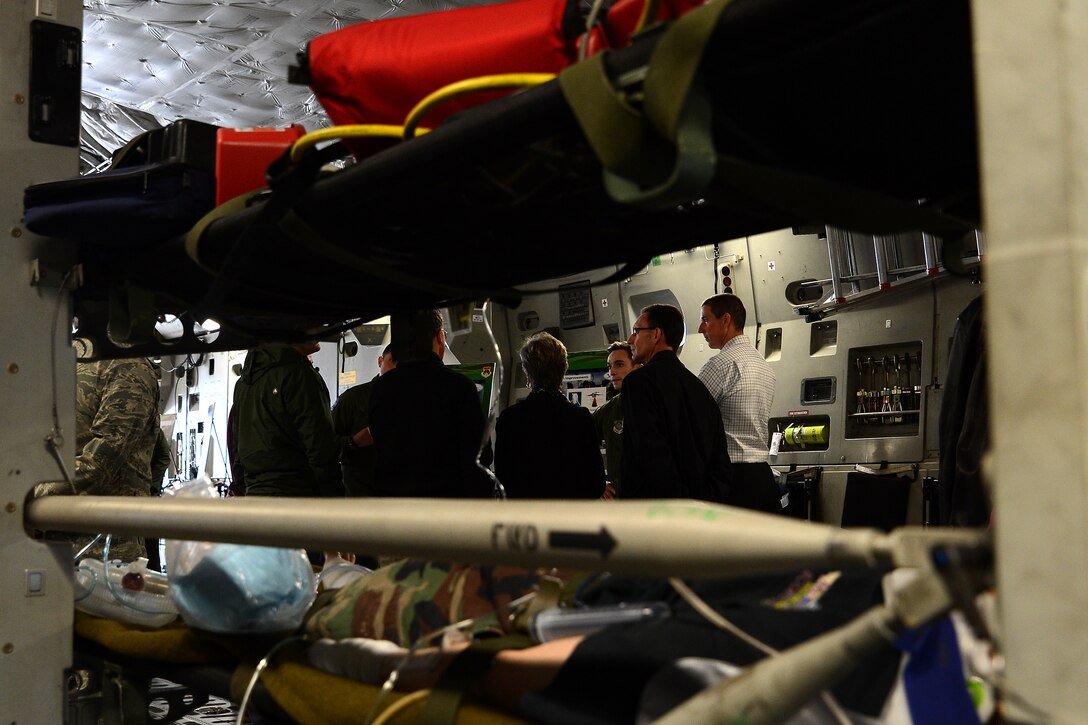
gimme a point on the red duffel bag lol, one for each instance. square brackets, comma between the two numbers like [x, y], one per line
[376, 72]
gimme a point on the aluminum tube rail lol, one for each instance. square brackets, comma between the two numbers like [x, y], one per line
[649, 538]
[835, 239]
[980, 243]
[929, 249]
[880, 251]
[773, 690]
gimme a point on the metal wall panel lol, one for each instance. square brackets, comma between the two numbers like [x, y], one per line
[37, 370]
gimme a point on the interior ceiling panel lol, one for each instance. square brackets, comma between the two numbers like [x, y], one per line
[147, 63]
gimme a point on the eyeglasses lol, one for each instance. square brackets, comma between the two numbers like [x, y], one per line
[635, 330]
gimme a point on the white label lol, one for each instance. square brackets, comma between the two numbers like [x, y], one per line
[776, 441]
[770, 266]
[604, 302]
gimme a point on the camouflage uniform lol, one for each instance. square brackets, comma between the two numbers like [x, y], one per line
[412, 598]
[117, 426]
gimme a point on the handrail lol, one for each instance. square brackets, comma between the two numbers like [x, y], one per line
[649, 538]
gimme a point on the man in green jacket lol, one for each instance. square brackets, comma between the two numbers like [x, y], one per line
[283, 433]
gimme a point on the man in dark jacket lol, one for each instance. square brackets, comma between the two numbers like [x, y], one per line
[674, 444]
[351, 422]
[426, 420]
[283, 434]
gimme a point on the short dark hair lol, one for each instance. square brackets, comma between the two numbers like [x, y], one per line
[620, 345]
[414, 333]
[391, 352]
[545, 360]
[720, 304]
[671, 321]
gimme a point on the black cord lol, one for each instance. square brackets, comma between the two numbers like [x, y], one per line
[717, 255]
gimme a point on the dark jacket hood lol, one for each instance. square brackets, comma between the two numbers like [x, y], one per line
[268, 357]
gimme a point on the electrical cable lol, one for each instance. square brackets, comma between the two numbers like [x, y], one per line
[649, 12]
[459, 627]
[625, 271]
[402, 704]
[714, 617]
[391, 681]
[714, 264]
[496, 390]
[219, 445]
[470, 85]
[261, 666]
[85, 549]
[55, 439]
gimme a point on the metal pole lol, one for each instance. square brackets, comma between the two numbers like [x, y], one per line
[933, 257]
[980, 243]
[880, 250]
[776, 687]
[649, 538]
[835, 239]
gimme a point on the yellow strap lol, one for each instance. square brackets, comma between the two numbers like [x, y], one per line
[470, 85]
[336, 133]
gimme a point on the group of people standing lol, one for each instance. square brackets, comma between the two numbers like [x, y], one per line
[667, 433]
[414, 430]
[417, 428]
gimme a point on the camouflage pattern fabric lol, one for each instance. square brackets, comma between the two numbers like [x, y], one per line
[413, 598]
[117, 425]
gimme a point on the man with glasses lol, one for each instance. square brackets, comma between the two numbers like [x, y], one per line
[674, 443]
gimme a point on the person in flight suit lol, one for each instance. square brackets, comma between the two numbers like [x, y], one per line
[608, 419]
[117, 427]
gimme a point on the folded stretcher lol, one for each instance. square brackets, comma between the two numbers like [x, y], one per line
[741, 117]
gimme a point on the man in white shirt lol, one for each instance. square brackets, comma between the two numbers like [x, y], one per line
[742, 384]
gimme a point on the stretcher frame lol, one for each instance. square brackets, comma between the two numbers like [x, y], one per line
[1031, 127]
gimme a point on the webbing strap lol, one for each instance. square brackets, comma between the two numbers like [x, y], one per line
[663, 154]
[613, 127]
[192, 238]
[465, 669]
[640, 146]
[674, 64]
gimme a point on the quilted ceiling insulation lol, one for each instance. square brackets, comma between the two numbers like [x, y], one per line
[149, 62]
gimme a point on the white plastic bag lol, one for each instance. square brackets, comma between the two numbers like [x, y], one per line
[236, 588]
[117, 591]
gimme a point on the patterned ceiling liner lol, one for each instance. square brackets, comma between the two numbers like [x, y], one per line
[147, 63]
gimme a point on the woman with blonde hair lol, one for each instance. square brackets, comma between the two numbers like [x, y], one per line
[546, 446]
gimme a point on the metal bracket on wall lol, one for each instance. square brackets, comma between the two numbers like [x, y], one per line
[43, 274]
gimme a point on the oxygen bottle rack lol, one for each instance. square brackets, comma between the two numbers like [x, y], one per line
[885, 391]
